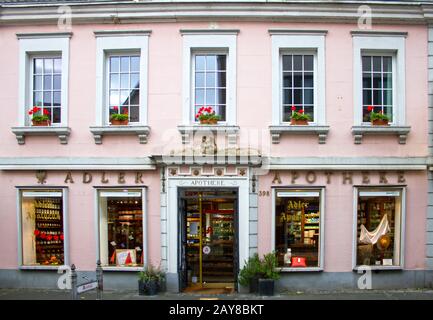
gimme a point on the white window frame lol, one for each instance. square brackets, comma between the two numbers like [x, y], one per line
[41, 45]
[381, 44]
[288, 41]
[118, 191]
[379, 191]
[208, 41]
[315, 83]
[65, 198]
[304, 191]
[114, 42]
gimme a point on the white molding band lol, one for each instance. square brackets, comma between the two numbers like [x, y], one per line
[109, 41]
[196, 41]
[118, 33]
[31, 44]
[384, 43]
[285, 42]
[298, 32]
[208, 31]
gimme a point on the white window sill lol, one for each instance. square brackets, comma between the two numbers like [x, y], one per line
[52, 268]
[277, 130]
[379, 267]
[141, 131]
[131, 269]
[61, 132]
[188, 131]
[301, 269]
[400, 131]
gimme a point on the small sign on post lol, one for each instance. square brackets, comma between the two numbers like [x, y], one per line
[89, 285]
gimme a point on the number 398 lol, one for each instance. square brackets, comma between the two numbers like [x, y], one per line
[263, 193]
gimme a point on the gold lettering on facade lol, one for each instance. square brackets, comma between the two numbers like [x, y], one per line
[311, 177]
[328, 176]
[276, 178]
[87, 177]
[295, 176]
[347, 177]
[121, 178]
[400, 177]
[382, 178]
[68, 178]
[365, 177]
[138, 177]
[103, 179]
[41, 175]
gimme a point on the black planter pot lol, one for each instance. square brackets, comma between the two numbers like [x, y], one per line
[266, 287]
[162, 286]
[254, 284]
[141, 288]
[148, 288]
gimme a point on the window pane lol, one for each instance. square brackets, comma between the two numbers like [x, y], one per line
[114, 64]
[297, 229]
[377, 64]
[37, 83]
[134, 97]
[135, 81]
[134, 114]
[377, 97]
[57, 97]
[114, 81]
[199, 79]
[210, 80]
[297, 79]
[287, 96]
[308, 80]
[221, 111]
[221, 96]
[366, 97]
[388, 112]
[221, 79]
[366, 80]
[221, 62]
[122, 243]
[57, 65]
[57, 82]
[308, 96]
[38, 66]
[124, 64]
[48, 66]
[56, 115]
[297, 96]
[47, 98]
[309, 110]
[377, 80]
[124, 97]
[124, 81]
[366, 63]
[287, 62]
[287, 79]
[287, 111]
[365, 114]
[378, 232]
[297, 62]
[199, 96]
[387, 97]
[42, 228]
[200, 63]
[210, 96]
[37, 98]
[135, 64]
[210, 63]
[387, 64]
[308, 63]
[387, 80]
[47, 82]
[114, 97]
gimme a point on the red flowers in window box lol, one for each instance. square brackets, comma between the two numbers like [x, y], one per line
[298, 117]
[119, 119]
[206, 115]
[39, 119]
[378, 118]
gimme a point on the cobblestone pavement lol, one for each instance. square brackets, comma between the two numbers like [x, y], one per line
[46, 294]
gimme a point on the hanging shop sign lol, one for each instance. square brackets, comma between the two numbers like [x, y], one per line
[344, 177]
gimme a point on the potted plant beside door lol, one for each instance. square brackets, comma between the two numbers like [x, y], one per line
[149, 281]
[249, 275]
[269, 274]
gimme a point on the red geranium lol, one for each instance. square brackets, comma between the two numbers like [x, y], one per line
[34, 110]
[293, 108]
[116, 108]
[370, 108]
[46, 112]
[301, 111]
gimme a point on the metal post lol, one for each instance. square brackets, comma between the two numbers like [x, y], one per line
[99, 278]
[74, 283]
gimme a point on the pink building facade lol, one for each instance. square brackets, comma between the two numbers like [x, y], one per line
[331, 197]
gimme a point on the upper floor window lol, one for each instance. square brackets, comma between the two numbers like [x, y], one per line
[377, 85]
[47, 86]
[210, 85]
[124, 86]
[298, 84]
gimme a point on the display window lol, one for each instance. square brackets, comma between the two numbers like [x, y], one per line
[298, 228]
[121, 228]
[42, 227]
[380, 221]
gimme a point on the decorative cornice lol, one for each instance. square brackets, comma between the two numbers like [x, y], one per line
[373, 33]
[208, 31]
[119, 33]
[297, 32]
[39, 35]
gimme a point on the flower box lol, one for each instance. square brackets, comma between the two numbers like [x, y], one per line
[43, 123]
[208, 121]
[299, 122]
[206, 115]
[116, 122]
[299, 118]
[380, 122]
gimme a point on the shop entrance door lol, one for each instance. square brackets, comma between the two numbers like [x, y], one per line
[208, 253]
